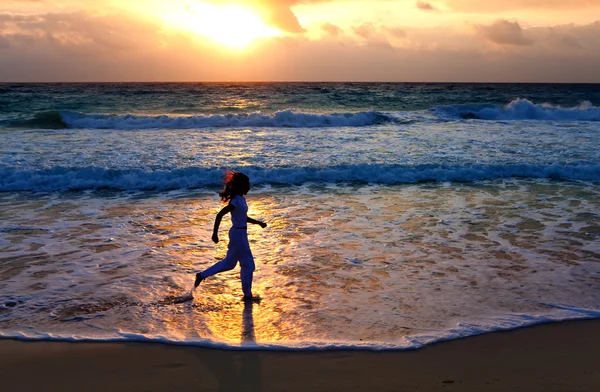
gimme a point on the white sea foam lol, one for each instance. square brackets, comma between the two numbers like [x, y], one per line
[521, 109]
[63, 178]
[285, 118]
[518, 109]
[497, 323]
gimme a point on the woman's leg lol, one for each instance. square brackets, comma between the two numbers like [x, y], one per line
[247, 272]
[228, 263]
[246, 277]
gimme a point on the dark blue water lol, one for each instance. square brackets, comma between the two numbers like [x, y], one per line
[26, 102]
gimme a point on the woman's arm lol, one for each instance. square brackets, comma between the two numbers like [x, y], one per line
[256, 222]
[228, 208]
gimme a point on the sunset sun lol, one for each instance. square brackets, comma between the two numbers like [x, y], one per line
[231, 25]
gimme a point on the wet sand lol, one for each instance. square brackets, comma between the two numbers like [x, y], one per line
[551, 357]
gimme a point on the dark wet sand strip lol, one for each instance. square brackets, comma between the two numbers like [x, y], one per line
[551, 357]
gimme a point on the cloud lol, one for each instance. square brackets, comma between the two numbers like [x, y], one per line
[331, 29]
[424, 6]
[568, 40]
[372, 36]
[395, 32]
[503, 32]
[277, 13]
[282, 17]
[366, 30]
[467, 64]
[512, 5]
[79, 33]
[85, 46]
[9, 18]
[4, 42]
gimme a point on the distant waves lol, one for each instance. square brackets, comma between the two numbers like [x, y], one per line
[518, 109]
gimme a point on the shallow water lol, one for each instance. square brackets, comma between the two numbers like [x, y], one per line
[337, 264]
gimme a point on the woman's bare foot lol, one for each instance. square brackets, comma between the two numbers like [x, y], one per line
[199, 279]
[251, 298]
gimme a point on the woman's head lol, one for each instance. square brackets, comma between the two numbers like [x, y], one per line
[236, 183]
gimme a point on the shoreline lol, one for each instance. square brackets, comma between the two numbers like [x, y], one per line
[249, 343]
[559, 356]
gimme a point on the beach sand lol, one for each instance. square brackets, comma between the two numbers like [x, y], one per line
[552, 357]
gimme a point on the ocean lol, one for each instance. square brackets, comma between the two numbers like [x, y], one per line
[399, 214]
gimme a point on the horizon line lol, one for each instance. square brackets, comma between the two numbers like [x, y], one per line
[289, 81]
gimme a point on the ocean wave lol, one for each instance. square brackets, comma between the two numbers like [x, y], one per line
[84, 178]
[520, 109]
[43, 120]
[285, 118]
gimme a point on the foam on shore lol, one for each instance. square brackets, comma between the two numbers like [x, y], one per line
[412, 342]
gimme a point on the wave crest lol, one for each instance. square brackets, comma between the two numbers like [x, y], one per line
[518, 109]
[521, 109]
[285, 118]
[66, 178]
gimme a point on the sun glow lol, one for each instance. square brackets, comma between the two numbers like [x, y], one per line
[231, 25]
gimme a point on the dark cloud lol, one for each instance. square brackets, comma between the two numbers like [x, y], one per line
[503, 32]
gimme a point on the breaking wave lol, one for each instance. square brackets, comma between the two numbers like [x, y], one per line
[285, 118]
[520, 109]
[84, 178]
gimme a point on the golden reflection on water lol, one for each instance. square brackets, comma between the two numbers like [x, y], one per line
[218, 311]
[239, 103]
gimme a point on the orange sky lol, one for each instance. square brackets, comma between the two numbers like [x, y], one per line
[300, 40]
